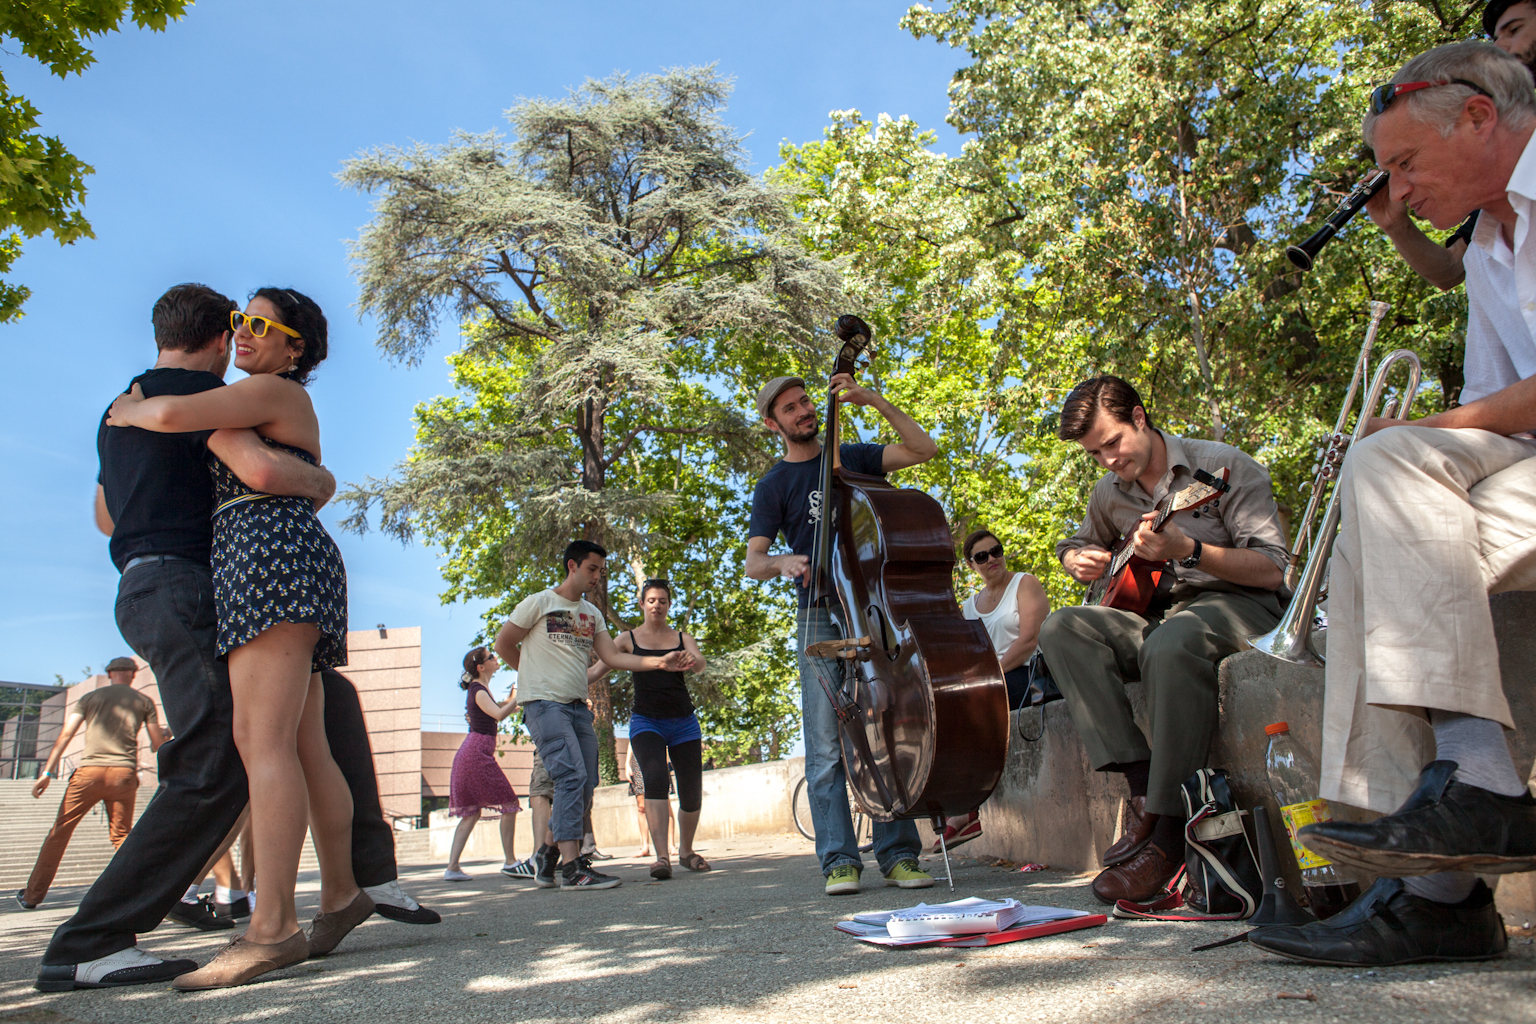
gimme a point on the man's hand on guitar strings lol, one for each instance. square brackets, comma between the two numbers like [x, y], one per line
[794, 566]
[1086, 564]
[1172, 543]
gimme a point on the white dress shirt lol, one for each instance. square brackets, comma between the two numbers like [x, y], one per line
[1501, 293]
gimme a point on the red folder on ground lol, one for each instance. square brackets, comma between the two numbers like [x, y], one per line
[1035, 931]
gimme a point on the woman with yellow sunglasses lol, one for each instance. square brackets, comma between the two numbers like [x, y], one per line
[280, 590]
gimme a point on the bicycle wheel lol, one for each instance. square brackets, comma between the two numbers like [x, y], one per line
[800, 810]
[863, 825]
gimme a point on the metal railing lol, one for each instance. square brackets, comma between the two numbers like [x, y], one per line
[31, 717]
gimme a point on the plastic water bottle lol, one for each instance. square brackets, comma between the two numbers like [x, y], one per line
[1293, 777]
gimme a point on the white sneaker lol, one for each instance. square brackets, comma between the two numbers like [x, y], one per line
[390, 894]
[451, 875]
[131, 966]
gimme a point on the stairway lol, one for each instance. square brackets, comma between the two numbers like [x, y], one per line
[24, 823]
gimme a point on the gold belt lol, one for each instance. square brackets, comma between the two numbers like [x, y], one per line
[242, 500]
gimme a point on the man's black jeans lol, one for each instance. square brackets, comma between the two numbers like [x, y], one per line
[165, 612]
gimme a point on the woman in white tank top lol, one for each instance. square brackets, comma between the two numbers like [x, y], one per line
[1012, 605]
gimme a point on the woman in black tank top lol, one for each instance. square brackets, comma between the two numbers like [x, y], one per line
[663, 726]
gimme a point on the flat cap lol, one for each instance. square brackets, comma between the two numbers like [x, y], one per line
[122, 665]
[772, 390]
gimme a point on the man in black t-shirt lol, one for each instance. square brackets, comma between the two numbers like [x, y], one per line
[788, 501]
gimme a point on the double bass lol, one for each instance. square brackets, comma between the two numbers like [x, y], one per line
[921, 703]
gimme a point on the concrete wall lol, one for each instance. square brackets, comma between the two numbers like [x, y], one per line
[749, 799]
[387, 673]
[1052, 808]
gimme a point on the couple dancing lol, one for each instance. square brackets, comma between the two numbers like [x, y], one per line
[278, 588]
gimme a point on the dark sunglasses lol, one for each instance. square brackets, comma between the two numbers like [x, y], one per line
[663, 584]
[1383, 95]
[980, 557]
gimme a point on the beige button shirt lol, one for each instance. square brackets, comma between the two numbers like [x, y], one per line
[1245, 517]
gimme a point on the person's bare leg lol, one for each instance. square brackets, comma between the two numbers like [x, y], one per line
[461, 838]
[330, 805]
[269, 679]
[509, 838]
[247, 855]
[224, 871]
[644, 824]
[689, 822]
[543, 808]
[658, 819]
[672, 824]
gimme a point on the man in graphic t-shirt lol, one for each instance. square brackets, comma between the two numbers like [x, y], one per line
[788, 501]
[108, 771]
[549, 641]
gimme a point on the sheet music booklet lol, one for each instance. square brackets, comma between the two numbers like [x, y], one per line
[967, 922]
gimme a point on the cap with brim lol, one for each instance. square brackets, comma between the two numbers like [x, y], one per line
[771, 392]
[122, 665]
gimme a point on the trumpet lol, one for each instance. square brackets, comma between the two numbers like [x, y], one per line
[1302, 255]
[1288, 641]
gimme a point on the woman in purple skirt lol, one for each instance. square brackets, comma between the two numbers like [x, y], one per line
[477, 785]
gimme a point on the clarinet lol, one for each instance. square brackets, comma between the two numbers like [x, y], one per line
[1304, 254]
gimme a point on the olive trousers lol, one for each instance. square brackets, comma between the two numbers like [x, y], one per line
[1094, 651]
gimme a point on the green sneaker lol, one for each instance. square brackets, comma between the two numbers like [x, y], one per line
[907, 875]
[844, 879]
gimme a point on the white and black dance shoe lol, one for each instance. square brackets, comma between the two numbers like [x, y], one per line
[131, 966]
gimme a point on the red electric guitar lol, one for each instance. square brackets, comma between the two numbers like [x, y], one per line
[1131, 582]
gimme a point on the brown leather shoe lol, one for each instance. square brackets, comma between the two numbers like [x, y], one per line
[1139, 879]
[1135, 829]
[327, 930]
[240, 961]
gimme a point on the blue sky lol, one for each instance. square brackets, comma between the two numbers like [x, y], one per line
[215, 146]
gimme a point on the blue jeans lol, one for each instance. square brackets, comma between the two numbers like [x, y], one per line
[567, 744]
[825, 780]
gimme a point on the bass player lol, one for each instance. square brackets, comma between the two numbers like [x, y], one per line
[1229, 557]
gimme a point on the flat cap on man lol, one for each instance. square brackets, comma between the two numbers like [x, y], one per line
[771, 392]
[122, 665]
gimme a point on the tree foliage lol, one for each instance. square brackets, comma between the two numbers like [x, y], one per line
[42, 184]
[1133, 173]
[621, 281]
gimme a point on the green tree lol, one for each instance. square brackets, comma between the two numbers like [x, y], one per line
[1133, 174]
[619, 276]
[42, 184]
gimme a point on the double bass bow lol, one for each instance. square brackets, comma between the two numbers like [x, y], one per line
[921, 703]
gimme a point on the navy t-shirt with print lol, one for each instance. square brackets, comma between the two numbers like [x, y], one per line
[788, 499]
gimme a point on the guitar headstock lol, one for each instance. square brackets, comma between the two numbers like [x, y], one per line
[1206, 489]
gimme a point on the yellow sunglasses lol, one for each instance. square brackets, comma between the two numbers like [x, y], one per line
[258, 325]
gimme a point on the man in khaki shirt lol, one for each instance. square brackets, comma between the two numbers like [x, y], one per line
[108, 771]
[1228, 559]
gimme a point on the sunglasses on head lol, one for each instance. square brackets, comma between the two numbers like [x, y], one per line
[258, 325]
[663, 584]
[1383, 95]
[980, 557]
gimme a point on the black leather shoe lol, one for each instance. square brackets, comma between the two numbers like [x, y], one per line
[199, 915]
[1443, 826]
[234, 911]
[1388, 926]
[421, 915]
[131, 966]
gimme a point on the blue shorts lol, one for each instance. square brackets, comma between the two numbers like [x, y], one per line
[672, 730]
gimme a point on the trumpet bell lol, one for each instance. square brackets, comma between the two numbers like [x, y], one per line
[1288, 643]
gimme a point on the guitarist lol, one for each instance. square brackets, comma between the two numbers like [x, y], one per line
[1228, 557]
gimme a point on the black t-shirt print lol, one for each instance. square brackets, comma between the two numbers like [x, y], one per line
[788, 499]
[158, 489]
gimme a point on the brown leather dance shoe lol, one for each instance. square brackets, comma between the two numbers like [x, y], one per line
[1135, 830]
[327, 930]
[240, 961]
[1139, 879]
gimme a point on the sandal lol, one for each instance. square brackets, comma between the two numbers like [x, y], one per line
[661, 870]
[693, 862]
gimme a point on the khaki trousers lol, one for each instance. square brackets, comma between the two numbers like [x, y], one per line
[1093, 652]
[1433, 520]
[117, 787]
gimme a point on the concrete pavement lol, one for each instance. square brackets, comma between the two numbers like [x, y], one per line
[754, 941]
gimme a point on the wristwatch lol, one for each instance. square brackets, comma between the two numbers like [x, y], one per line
[1194, 557]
